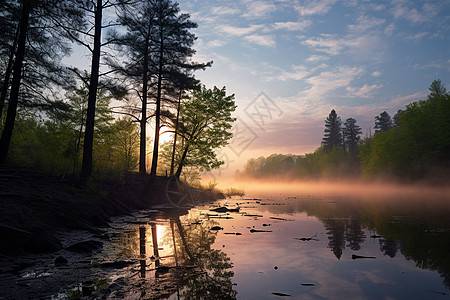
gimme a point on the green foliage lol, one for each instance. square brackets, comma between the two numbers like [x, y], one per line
[275, 165]
[205, 125]
[419, 145]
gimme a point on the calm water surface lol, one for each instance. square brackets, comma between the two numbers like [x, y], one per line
[271, 245]
[295, 245]
[322, 247]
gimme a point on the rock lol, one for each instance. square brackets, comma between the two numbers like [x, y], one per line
[85, 247]
[216, 228]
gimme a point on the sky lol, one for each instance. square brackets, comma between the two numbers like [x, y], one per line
[289, 63]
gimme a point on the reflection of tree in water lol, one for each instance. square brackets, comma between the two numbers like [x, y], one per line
[344, 232]
[354, 234]
[423, 235]
[336, 235]
[389, 247]
[214, 282]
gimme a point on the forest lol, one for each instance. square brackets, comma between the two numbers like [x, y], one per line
[412, 145]
[62, 120]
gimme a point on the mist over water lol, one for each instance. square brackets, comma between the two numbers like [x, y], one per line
[343, 188]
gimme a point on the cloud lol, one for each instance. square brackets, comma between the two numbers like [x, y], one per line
[389, 29]
[327, 83]
[258, 9]
[224, 10]
[365, 23]
[376, 74]
[365, 91]
[262, 40]
[315, 58]
[292, 26]
[239, 31]
[315, 7]
[417, 37]
[367, 46]
[403, 10]
[298, 73]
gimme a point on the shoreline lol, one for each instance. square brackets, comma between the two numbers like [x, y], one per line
[34, 206]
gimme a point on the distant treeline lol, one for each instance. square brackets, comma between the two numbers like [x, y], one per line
[413, 145]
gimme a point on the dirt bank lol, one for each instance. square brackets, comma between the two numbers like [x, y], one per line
[34, 206]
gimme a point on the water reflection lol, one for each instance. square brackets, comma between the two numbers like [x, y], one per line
[309, 247]
[418, 228]
[179, 250]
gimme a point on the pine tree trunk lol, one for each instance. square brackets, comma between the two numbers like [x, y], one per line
[143, 134]
[86, 168]
[172, 162]
[15, 86]
[158, 107]
[8, 72]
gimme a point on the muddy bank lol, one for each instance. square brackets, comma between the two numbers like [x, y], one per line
[34, 206]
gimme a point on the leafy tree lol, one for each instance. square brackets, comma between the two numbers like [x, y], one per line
[383, 122]
[205, 125]
[351, 133]
[333, 136]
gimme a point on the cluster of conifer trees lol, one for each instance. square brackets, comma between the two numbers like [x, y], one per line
[140, 53]
[413, 145]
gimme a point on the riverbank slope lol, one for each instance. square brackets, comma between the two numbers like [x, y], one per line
[34, 206]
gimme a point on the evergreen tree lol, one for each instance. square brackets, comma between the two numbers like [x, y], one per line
[383, 122]
[333, 136]
[173, 48]
[33, 57]
[140, 47]
[396, 118]
[351, 133]
[436, 89]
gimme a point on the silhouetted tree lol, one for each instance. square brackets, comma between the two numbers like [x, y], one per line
[396, 118]
[383, 122]
[354, 234]
[34, 54]
[8, 45]
[336, 235]
[173, 43]
[333, 136]
[140, 47]
[389, 247]
[436, 89]
[351, 133]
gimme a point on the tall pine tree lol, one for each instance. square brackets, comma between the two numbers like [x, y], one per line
[351, 134]
[383, 122]
[333, 135]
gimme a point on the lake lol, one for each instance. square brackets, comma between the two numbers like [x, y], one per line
[292, 242]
